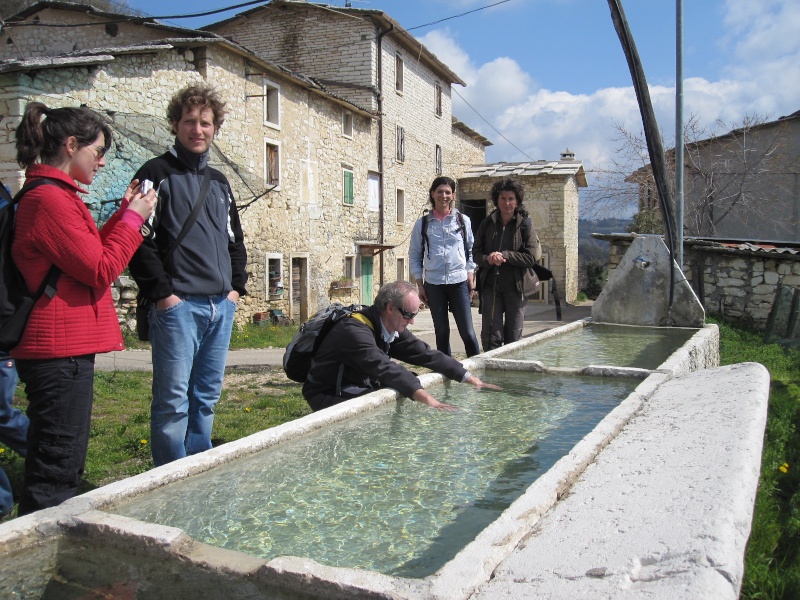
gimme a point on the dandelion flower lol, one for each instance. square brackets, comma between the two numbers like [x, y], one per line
[143, 442]
[247, 409]
[784, 468]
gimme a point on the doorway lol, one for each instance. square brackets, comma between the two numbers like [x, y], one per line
[367, 295]
[298, 309]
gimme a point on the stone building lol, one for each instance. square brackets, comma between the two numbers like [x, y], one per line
[326, 181]
[744, 184]
[368, 58]
[551, 199]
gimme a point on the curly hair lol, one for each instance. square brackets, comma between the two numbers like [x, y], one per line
[42, 139]
[508, 185]
[196, 95]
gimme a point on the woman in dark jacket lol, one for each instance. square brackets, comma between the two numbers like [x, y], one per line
[503, 255]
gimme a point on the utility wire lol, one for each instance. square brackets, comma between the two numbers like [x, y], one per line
[457, 16]
[492, 126]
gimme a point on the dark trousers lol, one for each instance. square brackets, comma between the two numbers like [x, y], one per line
[503, 317]
[60, 393]
[455, 298]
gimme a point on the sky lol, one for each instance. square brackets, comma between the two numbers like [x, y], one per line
[546, 75]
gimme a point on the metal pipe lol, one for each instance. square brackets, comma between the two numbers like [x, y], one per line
[679, 141]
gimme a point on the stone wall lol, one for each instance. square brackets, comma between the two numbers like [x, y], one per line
[29, 42]
[304, 216]
[737, 284]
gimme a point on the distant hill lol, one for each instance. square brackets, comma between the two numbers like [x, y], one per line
[586, 227]
[590, 249]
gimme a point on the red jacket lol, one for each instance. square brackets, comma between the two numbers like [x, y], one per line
[53, 226]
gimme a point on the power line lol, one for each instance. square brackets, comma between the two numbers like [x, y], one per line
[458, 15]
[490, 125]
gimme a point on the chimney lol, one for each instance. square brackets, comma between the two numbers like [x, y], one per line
[568, 155]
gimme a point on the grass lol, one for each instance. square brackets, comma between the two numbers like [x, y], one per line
[251, 402]
[772, 560]
[119, 443]
[242, 337]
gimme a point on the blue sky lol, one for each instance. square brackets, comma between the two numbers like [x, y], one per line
[550, 74]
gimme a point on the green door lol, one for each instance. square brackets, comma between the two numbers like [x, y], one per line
[367, 295]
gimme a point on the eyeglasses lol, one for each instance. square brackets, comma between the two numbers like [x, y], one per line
[100, 151]
[407, 315]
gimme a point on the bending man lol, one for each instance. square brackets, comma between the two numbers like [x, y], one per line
[355, 357]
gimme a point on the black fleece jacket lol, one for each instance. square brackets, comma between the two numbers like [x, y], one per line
[211, 259]
[368, 363]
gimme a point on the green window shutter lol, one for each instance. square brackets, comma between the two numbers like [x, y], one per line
[348, 187]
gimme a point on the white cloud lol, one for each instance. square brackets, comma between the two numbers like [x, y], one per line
[763, 77]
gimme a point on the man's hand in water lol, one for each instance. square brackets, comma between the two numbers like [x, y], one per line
[472, 380]
[424, 397]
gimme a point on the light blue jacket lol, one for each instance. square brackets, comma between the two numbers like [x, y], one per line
[443, 261]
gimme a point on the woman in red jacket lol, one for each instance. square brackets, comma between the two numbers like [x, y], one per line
[55, 358]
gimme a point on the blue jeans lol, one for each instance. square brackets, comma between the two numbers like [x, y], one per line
[13, 425]
[455, 297]
[190, 344]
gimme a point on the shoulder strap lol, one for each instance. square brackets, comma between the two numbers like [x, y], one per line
[364, 319]
[201, 199]
[463, 228]
[424, 231]
[50, 282]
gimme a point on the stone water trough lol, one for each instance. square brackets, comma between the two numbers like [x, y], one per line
[655, 501]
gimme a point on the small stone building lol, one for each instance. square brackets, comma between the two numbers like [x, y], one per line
[551, 199]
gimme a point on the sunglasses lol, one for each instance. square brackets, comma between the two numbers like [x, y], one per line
[100, 151]
[407, 315]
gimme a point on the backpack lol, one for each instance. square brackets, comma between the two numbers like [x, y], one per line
[16, 303]
[461, 227]
[304, 345]
[542, 273]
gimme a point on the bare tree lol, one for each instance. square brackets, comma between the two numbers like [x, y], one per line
[740, 180]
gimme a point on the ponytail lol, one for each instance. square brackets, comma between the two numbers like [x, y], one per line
[41, 139]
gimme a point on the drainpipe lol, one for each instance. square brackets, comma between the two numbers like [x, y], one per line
[379, 96]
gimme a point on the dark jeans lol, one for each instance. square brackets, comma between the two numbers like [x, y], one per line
[60, 392]
[497, 331]
[13, 426]
[455, 297]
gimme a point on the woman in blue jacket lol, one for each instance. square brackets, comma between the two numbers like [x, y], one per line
[440, 257]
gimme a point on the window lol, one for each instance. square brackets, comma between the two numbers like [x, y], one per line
[374, 192]
[437, 157]
[401, 144]
[272, 163]
[272, 105]
[349, 267]
[401, 269]
[274, 275]
[347, 124]
[437, 100]
[398, 74]
[401, 206]
[347, 186]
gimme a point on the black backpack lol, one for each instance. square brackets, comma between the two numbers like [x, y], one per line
[305, 343]
[16, 303]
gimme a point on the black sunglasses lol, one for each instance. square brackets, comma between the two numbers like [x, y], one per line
[407, 315]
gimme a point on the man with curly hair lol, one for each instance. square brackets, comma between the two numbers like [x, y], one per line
[193, 287]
